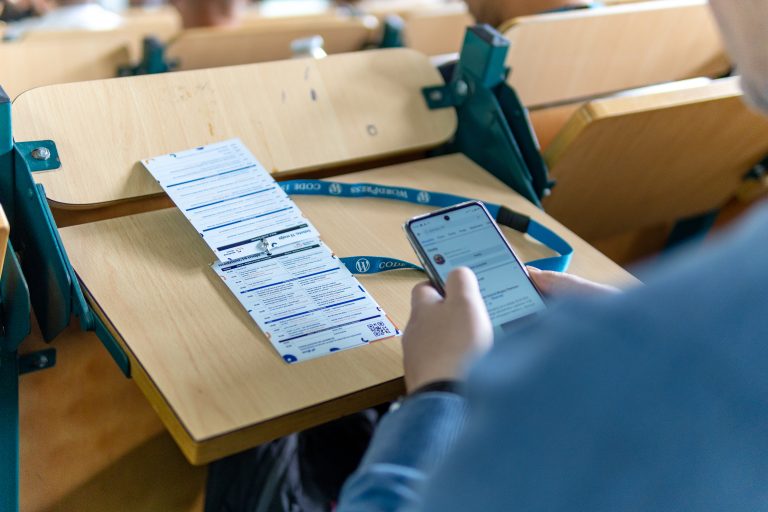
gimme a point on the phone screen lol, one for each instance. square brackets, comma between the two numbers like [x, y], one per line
[468, 237]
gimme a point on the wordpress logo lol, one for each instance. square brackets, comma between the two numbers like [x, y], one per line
[362, 265]
[335, 189]
[423, 197]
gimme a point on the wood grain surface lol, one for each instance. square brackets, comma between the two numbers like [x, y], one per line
[630, 162]
[296, 116]
[208, 370]
[567, 56]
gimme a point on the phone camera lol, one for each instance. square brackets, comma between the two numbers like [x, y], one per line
[447, 217]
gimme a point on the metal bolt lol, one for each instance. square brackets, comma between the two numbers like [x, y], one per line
[461, 88]
[41, 153]
[41, 361]
[436, 96]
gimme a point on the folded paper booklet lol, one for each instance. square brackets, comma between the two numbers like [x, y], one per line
[270, 256]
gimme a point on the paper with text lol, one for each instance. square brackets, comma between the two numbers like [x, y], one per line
[230, 199]
[306, 301]
[270, 256]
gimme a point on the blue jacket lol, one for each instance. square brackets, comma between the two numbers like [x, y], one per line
[654, 400]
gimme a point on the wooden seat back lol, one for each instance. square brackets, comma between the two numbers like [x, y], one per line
[573, 55]
[26, 65]
[134, 29]
[634, 161]
[296, 116]
[437, 31]
[202, 48]
[403, 8]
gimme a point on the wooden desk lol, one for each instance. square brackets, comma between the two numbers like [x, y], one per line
[25, 65]
[209, 372]
[437, 32]
[366, 106]
[215, 381]
[133, 29]
[202, 48]
[403, 8]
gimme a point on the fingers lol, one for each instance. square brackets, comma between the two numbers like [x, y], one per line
[424, 294]
[462, 284]
[560, 283]
[546, 281]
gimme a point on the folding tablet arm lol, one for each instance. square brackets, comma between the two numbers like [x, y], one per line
[494, 129]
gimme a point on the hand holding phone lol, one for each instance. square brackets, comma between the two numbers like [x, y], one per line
[466, 235]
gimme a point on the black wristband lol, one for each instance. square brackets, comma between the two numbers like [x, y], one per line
[441, 386]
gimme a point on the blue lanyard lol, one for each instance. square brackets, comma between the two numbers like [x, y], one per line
[375, 264]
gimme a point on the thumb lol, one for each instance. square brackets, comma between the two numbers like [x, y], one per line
[462, 285]
[424, 294]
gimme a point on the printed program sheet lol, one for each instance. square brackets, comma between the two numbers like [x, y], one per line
[230, 199]
[271, 258]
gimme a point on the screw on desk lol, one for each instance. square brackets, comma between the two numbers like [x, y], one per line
[436, 96]
[41, 153]
[41, 361]
[461, 88]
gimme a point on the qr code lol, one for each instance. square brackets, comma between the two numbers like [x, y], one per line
[379, 329]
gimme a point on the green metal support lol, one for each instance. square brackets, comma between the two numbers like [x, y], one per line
[14, 327]
[37, 275]
[392, 32]
[493, 129]
[9, 432]
[153, 60]
[54, 288]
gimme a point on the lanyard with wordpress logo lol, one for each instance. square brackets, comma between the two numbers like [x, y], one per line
[375, 264]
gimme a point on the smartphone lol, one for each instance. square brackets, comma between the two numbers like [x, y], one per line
[466, 235]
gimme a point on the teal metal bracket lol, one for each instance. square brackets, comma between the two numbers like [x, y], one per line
[55, 291]
[14, 327]
[36, 276]
[493, 129]
[153, 60]
[392, 32]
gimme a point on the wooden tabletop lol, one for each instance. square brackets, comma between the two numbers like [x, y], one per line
[208, 370]
[295, 115]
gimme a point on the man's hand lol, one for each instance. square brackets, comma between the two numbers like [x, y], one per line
[444, 333]
[556, 284]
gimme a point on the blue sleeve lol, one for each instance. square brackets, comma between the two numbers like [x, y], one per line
[408, 444]
[656, 399]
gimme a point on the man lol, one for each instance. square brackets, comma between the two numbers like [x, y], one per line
[209, 13]
[655, 399]
[496, 12]
[69, 15]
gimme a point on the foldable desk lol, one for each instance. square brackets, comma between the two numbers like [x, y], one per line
[207, 369]
[572, 55]
[134, 30]
[28, 64]
[402, 8]
[270, 40]
[640, 160]
[437, 31]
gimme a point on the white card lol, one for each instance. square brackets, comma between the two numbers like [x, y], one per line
[306, 301]
[232, 201]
